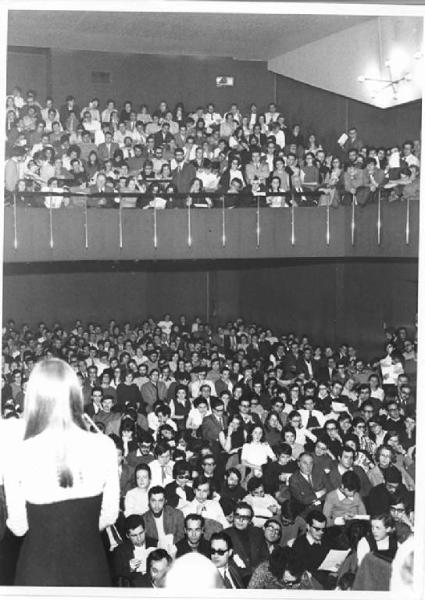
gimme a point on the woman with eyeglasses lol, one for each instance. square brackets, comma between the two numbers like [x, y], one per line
[179, 492]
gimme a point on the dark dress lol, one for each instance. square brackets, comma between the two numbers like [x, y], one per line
[63, 545]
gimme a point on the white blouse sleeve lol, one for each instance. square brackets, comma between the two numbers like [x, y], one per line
[15, 498]
[270, 452]
[111, 489]
[362, 549]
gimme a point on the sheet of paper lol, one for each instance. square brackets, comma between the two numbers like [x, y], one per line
[342, 139]
[333, 560]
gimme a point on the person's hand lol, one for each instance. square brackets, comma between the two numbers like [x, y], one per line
[135, 564]
[239, 562]
[258, 472]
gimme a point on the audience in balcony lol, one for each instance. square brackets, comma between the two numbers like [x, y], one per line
[203, 144]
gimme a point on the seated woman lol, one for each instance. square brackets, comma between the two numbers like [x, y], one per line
[264, 505]
[382, 540]
[275, 188]
[232, 440]
[196, 196]
[282, 571]
[136, 499]
[256, 452]
[131, 185]
[273, 428]
[155, 197]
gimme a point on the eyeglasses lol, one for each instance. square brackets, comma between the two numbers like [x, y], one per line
[361, 426]
[319, 529]
[242, 517]
[209, 464]
[219, 551]
[185, 476]
[273, 529]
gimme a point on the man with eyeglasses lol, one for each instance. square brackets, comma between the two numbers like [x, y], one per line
[209, 470]
[310, 549]
[194, 540]
[249, 546]
[403, 521]
[221, 556]
[248, 418]
[272, 534]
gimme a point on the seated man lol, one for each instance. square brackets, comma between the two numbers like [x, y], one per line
[194, 540]
[163, 523]
[129, 558]
[344, 503]
[222, 556]
[307, 486]
[158, 564]
[382, 495]
[310, 550]
[346, 463]
[249, 546]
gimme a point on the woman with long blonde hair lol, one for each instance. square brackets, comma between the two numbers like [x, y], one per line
[61, 485]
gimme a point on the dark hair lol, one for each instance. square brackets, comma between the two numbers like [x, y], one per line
[180, 467]
[194, 517]
[283, 559]
[142, 467]
[246, 506]
[158, 554]
[161, 448]
[200, 481]
[351, 481]
[156, 489]
[254, 483]
[223, 537]
[133, 522]
[315, 515]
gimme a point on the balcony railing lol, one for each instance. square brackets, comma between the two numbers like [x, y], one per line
[79, 233]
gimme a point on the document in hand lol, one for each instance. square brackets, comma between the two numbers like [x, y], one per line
[333, 560]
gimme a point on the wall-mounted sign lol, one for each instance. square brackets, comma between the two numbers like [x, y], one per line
[224, 81]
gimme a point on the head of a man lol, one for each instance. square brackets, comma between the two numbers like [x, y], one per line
[242, 516]
[221, 549]
[316, 525]
[156, 499]
[134, 526]
[194, 527]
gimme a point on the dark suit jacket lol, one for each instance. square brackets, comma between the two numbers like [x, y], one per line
[251, 548]
[302, 493]
[161, 139]
[173, 498]
[302, 368]
[122, 555]
[104, 153]
[127, 478]
[211, 427]
[236, 575]
[173, 523]
[183, 179]
[184, 548]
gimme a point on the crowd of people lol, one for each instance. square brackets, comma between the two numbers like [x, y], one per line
[269, 460]
[130, 156]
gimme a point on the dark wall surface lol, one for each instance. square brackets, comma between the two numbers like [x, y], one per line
[152, 78]
[331, 301]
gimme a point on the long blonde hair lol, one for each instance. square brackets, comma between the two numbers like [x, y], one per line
[54, 401]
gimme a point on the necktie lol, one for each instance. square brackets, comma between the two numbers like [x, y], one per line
[310, 480]
[163, 473]
[226, 579]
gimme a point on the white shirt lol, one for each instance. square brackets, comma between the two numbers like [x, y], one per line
[31, 475]
[210, 509]
[136, 502]
[257, 454]
[156, 472]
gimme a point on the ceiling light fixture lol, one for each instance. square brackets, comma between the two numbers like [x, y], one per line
[391, 82]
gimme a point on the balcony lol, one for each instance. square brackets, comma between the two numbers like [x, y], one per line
[379, 230]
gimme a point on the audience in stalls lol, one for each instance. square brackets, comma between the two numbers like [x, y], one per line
[180, 158]
[233, 444]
